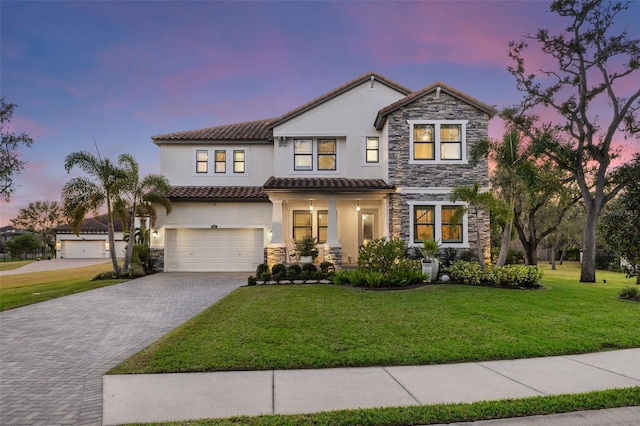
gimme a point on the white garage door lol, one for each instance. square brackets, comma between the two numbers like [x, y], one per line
[82, 249]
[213, 250]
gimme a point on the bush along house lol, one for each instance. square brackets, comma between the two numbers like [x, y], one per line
[370, 159]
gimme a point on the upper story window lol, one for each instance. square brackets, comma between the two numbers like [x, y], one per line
[321, 153]
[303, 154]
[440, 141]
[221, 161]
[238, 161]
[372, 154]
[202, 161]
[326, 154]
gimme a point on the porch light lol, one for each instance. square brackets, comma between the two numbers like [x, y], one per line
[358, 206]
[155, 234]
[106, 245]
[311, 205]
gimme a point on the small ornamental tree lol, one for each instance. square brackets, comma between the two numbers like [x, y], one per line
[22, 244]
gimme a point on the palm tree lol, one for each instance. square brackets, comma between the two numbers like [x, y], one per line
[477, 202]
[83, 194]
[139, 196]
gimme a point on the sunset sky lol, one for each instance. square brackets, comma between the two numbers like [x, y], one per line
[122, 71]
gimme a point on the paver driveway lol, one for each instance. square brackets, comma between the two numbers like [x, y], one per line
[53, 354]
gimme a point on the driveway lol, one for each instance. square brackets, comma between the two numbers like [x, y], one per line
[54, 353]
[53, 264]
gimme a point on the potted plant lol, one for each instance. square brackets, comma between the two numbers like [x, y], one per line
[430, 264]
[306, 249]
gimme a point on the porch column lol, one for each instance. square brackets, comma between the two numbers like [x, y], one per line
[276, 221]
[332, 227]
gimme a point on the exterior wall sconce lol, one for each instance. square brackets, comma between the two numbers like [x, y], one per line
[155, 234]
[106, 245]
[311, 205]
[58, 244]
[358, 206]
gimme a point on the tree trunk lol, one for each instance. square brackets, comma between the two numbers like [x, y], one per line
[553, 257]
[505, 241]
[638, 279]
[478, 242]
[132, 238]
[112, 240]
[588, 265]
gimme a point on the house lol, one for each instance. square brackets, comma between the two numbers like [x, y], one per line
[92, 241]
[370, 159]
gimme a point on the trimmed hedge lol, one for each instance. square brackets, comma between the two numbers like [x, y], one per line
[514, 276]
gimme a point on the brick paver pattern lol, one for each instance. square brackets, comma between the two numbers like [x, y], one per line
[53, 354]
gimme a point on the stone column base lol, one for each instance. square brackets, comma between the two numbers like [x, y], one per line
[157, 258]
[333, 254]
[276, 253]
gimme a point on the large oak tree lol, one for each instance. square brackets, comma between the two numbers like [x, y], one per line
[592, 91]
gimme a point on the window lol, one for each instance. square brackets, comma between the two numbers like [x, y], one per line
[303, 154]
[302, 224]
[238, 161]
[424, 223]
[451, 232]
[326, 154]
[323, 225]
[433, 220]
[373, 150]
[438, 141]
[424, 144]
[220, 161]
[202, 161]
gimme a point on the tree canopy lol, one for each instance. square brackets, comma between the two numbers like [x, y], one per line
[41, 217]
[11, 160]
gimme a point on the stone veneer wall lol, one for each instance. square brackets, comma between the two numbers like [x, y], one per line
[433, 176]
[275, 255]
[157, 258]
[333, 255]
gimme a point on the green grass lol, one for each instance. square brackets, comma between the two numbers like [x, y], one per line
[25, 289]
[14, 264]
[442, 413]
[320, 326]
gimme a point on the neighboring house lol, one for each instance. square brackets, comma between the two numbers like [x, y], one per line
[92, 242]
[370, 159]
[8, 232]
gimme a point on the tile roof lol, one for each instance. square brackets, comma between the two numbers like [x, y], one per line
[93, 225]
[326, 184]
[249, 131]
[217, 193]
[384, 112]
[338, 91]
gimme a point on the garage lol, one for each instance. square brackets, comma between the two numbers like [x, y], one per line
[90, 249]
[214, 250]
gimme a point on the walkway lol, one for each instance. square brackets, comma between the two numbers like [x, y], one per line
[54, 353]
[164, 397]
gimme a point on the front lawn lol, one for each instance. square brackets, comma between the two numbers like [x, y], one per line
[320, 326]
[25, 289]
[13, 264]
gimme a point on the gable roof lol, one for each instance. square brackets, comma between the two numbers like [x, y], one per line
[217, 193]
[326, 184]
[384, 112]
[255, 131]
[94, 225]
[370, 76]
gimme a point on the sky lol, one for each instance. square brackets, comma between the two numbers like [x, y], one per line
[115, 73]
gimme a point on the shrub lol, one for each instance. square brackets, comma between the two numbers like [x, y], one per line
[380, 255]
[309, 267]
[447, 256]
[141, 256]
[134, 271]
[341, 277]
[111, 275]
[327, 267]
[263, 267]
[278, 268]
[630, 293]
[514, 257]
[292, 274]
[265, 276]
[516, 276]
[468, 255]
[296, 268]
[252, 280]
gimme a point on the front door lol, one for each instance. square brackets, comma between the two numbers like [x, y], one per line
[367, 227]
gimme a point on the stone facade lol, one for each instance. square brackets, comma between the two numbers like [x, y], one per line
[276, 254]
[157, 258]
[424, 183]
[333, 254]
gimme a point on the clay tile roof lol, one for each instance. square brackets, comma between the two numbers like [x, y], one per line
[327, 184]
[93, 225]
[384, 112]
[256, 131]
[338, 91]
[217, 193]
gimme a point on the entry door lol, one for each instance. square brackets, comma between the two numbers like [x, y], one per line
[367, 227]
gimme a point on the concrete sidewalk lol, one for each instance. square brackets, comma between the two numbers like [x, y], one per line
[167, 397]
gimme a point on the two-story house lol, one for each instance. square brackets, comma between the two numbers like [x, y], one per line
[370, 159]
